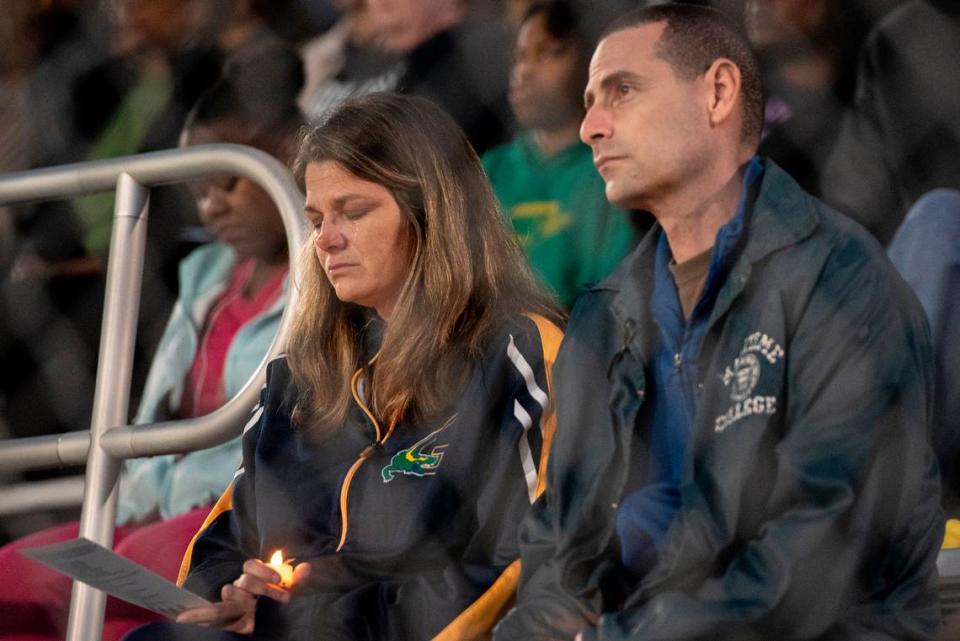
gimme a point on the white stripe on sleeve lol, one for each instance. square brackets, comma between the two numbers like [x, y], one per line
[257, 413]
[523, 444]
[527, 372]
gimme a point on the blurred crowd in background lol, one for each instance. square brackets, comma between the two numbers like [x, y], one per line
[863, 109]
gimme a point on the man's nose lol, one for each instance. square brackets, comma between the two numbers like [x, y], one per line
[597, 124]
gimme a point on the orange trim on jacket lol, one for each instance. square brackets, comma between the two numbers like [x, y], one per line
[223, 504]
[480, 616]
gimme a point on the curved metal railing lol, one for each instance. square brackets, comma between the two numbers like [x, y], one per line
[110, 439]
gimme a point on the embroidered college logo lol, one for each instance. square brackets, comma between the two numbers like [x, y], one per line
[743, 377]
[416, 460]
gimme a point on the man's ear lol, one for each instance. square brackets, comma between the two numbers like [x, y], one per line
[723, 85]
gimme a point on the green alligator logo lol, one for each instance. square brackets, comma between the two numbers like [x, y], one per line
[415, 460]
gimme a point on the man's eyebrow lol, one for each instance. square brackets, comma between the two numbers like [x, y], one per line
[617, 77]
[610, 81]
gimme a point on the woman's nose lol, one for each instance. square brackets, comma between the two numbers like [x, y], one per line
[328, 237]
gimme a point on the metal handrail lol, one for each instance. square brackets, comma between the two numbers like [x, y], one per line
[131, 176]
[49, 494]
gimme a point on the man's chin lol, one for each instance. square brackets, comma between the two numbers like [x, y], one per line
[616, 196]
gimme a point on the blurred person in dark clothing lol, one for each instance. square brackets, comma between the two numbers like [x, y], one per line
[807, 51]
[458, 63]
[345, 61]
[901, 138]
[264, 66]
[325, 56]
[438, 50]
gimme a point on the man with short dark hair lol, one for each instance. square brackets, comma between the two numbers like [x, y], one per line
[743, 407]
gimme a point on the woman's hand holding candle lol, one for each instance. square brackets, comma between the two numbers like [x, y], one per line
[274, 581]
[235, 612]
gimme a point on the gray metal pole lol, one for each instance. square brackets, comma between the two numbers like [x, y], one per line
[42, 452]
[112, 393]
[34, 496]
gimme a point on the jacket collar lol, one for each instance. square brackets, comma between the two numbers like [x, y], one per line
[782, 215]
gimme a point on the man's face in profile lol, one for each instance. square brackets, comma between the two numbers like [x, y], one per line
[647, 125]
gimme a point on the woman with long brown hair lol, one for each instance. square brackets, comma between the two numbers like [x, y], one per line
[402, 438]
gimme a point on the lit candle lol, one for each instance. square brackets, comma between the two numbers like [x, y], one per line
[283, 568]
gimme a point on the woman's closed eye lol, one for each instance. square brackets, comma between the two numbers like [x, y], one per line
[356, 214]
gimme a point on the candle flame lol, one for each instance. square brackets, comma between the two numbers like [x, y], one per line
[277, 558]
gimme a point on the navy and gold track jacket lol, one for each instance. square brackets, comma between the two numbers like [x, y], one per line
[409, 533]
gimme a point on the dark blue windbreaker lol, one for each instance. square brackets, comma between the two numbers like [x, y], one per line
[809, 497]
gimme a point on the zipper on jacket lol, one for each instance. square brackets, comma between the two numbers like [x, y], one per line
[354, 389]
[364, 455]
[345, 489]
